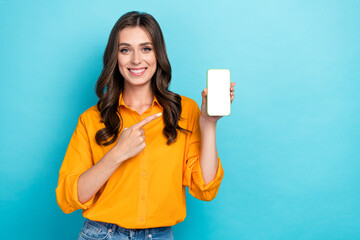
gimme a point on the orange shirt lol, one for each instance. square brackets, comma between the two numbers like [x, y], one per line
[147, 190]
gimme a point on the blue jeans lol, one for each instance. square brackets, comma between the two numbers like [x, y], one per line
[100, 230]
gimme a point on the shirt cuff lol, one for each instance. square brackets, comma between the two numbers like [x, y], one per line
[73, 199]
[199, 180]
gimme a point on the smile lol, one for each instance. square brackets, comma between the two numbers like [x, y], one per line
[137, 71]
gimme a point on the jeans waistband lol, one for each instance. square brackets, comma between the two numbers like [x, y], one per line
[128, 231]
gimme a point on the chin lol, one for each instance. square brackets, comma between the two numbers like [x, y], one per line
[134, 82]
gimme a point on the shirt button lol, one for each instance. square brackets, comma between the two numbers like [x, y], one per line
[143, 174]
[142, 196]
[141, 219]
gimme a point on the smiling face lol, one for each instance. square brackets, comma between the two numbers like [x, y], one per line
[136, 56]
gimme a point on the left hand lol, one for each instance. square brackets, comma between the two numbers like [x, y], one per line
[204, 117]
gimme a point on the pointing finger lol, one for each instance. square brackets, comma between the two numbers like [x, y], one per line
[146, 120]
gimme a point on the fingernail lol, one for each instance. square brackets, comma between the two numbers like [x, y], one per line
[159, 114]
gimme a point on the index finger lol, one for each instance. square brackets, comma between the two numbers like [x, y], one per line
[146, 120]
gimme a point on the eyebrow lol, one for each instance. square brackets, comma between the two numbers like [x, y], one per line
[141, 44]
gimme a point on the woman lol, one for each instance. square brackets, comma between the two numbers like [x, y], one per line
[132, 154]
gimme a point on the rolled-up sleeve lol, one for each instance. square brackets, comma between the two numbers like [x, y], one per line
[193, 177]
[78, 159]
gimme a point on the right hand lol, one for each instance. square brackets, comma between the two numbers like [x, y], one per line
[132, 140]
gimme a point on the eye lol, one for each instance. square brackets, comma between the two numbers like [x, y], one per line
[124, 50]
[147, 49]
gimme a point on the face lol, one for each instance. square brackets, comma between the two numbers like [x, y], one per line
[136, 56]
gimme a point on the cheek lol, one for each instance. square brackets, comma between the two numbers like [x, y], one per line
[153, 67]
[152, 61]
[121, 61]
[121, 65]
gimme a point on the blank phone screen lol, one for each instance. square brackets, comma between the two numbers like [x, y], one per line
[218, 97]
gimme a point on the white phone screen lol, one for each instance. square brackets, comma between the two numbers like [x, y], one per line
[218, 97]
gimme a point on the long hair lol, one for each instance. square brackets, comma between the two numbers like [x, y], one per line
[110, 83]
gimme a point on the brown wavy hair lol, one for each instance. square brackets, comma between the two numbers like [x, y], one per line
[110, 83]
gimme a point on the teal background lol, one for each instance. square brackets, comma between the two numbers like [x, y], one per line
[290, 148]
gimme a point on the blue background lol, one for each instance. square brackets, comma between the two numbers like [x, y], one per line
[290, 147]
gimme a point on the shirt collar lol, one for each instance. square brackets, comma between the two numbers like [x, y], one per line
[122, 103]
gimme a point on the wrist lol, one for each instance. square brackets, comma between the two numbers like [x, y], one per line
[208, 129]
[207, 124]
[116, 156]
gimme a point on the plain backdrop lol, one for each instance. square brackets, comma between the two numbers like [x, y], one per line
[290, 148]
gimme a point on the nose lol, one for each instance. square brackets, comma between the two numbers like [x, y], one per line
[136, 58]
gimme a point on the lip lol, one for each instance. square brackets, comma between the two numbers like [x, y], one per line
[137, 69]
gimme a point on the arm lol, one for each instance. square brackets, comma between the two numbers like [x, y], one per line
[94, 178]
[208, 154]
[79, 178]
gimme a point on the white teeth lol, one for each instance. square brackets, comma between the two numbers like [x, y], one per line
[137, 71]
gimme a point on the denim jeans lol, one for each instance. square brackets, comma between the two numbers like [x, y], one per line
[101, 230]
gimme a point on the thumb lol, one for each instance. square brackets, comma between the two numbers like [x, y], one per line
[204, 98]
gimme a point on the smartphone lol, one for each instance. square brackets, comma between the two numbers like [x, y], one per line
[218, 96]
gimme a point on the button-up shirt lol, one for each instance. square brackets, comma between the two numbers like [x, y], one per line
[147, 190]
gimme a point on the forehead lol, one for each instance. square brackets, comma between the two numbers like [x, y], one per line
[134, 35]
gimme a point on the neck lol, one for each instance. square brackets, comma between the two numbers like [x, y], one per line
[138, 95]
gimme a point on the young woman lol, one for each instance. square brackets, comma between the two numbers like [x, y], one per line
[132, 154]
